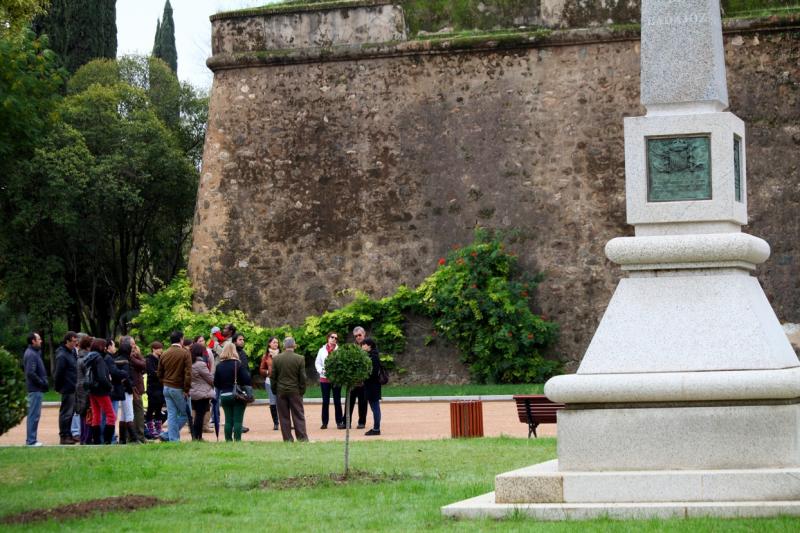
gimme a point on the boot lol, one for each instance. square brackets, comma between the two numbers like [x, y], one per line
[108, 434]
[133, 434]
[273, 410]
[123, 433]
[150, 430]
[94, 435]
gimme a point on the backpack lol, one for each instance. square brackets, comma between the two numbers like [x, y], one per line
[90, 383]
[383, 375]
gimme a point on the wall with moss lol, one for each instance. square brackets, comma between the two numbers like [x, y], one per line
[431, 16]
[360, 170]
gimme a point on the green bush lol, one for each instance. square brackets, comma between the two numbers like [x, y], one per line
[478, 299]
[13, 393]
[348, 366]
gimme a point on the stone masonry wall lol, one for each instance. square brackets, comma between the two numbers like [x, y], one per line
[361, 173]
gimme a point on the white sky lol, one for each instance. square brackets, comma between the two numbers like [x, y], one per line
[136, 28]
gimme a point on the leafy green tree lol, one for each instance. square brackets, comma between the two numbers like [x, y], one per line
[164, 46]
[30, 84]
[13, 394]
[348, 366]
[146, 186]
[15, 14]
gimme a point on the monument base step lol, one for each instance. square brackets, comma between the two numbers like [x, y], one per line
[484, 506]
[545, 483]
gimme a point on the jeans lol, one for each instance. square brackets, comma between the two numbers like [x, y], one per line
[375, 405]
[65, 413]
[76, 426]
[34, 413]
[176, 412]
[234, 416]
[327, 388]
[273, 400]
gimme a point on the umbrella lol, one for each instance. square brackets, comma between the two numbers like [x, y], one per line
[215, 415]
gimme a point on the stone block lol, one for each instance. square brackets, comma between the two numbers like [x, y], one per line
[678, 438]
[484, 506]
[683, 59]
[673, 323]
[540, 483]
[312, 26]
[525, 485]
[722, 128]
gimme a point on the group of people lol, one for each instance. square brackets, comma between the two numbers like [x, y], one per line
[103, 384]
[368, 392]
[285, 381]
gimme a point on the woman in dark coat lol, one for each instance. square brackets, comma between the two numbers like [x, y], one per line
[230, 371]
[372, 385]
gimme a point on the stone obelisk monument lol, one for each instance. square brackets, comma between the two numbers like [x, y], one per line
[687, 401]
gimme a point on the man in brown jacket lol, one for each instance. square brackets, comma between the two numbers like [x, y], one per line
[288, 382]
[175, 373]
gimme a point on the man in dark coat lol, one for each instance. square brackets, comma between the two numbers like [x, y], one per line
[65, 380]
[288, 383]
[36, 382]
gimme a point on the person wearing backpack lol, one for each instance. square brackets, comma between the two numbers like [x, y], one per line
[372, 385]
[97, 380]
[82, 393]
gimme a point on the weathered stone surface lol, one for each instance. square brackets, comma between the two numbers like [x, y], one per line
[371, 22]
[682, 55]
[361, 174]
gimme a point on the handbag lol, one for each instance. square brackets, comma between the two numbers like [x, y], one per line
[239, 393]
[383, 375]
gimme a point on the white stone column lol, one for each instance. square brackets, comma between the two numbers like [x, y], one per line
[686, 401]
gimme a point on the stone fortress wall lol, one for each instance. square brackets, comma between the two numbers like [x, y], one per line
[360, 157]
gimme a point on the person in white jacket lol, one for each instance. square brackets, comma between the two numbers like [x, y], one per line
[326, 386]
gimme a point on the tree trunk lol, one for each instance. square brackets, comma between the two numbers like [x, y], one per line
[347, 432]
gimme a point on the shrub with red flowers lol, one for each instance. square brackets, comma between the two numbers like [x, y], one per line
[480, 300]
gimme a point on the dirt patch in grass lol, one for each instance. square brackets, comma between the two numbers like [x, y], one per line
[85, 509]
[315, 480]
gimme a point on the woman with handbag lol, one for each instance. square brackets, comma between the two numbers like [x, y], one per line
[230, 377]
[265, 370]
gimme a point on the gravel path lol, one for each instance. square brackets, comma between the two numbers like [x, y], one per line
[400, 421]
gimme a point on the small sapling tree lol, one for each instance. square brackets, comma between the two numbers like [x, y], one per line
[348, 366]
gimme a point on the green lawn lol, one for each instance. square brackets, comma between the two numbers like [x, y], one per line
[217, 486]
[409, 390]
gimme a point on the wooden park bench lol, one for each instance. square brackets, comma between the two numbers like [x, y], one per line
[535, 409]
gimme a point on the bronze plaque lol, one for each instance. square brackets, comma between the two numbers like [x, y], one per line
[678, 168]
[737, 167]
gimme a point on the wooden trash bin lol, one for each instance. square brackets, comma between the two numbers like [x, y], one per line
[466, 418]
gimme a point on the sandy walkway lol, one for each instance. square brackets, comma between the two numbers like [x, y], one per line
[401, 420]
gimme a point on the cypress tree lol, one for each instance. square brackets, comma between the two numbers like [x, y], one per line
[108, 35]
[165, 36]
[157, 40]
[81, 30]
